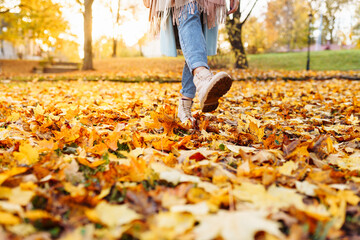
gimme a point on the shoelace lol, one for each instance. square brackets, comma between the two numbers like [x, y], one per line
[205, 76]
[187, 108]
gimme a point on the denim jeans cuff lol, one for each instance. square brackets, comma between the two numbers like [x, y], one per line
[189, 95]
[198, 64]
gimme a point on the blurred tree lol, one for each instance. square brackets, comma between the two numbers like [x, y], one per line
[39, 20]
[255, 37]
[355, 33]
[6, 6]
[331, 9]
[118, 8]
[234, 28]
[103, 48]
[67, 50]
[86, 6]
[116, 16]
[287, 23]
[142, 41]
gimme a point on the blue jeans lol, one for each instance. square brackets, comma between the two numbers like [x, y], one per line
[193, 46]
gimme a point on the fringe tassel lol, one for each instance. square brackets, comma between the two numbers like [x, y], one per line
[214, 13]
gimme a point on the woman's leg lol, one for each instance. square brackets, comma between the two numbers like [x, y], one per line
[188, 87]
[188, 92]
[192, 39]
[209, 87]
[193, 45]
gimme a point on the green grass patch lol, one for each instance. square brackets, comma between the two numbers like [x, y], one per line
[342, 60]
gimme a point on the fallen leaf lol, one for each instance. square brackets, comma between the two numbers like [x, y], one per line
[8, 219]
[198, 209]
[11, 172]
[113, 215]
[288, 168]
[19, 196]
[306, 188]
[236, 225]
[171, 175]
[169, 225]
[26, 155]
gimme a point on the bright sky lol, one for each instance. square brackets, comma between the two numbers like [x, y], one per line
[134, 27]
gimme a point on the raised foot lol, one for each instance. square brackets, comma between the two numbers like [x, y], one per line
[218, 87]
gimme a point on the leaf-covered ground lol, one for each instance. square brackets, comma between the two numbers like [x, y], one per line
[105, 160]
[159, 70]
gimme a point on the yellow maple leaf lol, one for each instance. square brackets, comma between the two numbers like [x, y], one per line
[256, 131]
[39, 110]
[27, 154]
[13, 117]
[8, 219]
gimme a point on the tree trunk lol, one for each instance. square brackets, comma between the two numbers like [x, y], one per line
[117, 21]
[114, 48]
[240, 54]
[332, 29]
[141, 51]
[2, 47]
[88, 54]
[234, 29]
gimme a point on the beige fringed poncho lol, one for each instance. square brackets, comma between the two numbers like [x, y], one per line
[214, 10]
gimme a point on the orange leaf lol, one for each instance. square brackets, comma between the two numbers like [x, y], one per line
[184, 141]
[12, 172]
[99, 149]
[92, 165]
[163, 144]
[71, 113]
[138, 141]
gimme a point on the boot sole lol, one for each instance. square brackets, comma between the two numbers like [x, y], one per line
[218, 88]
